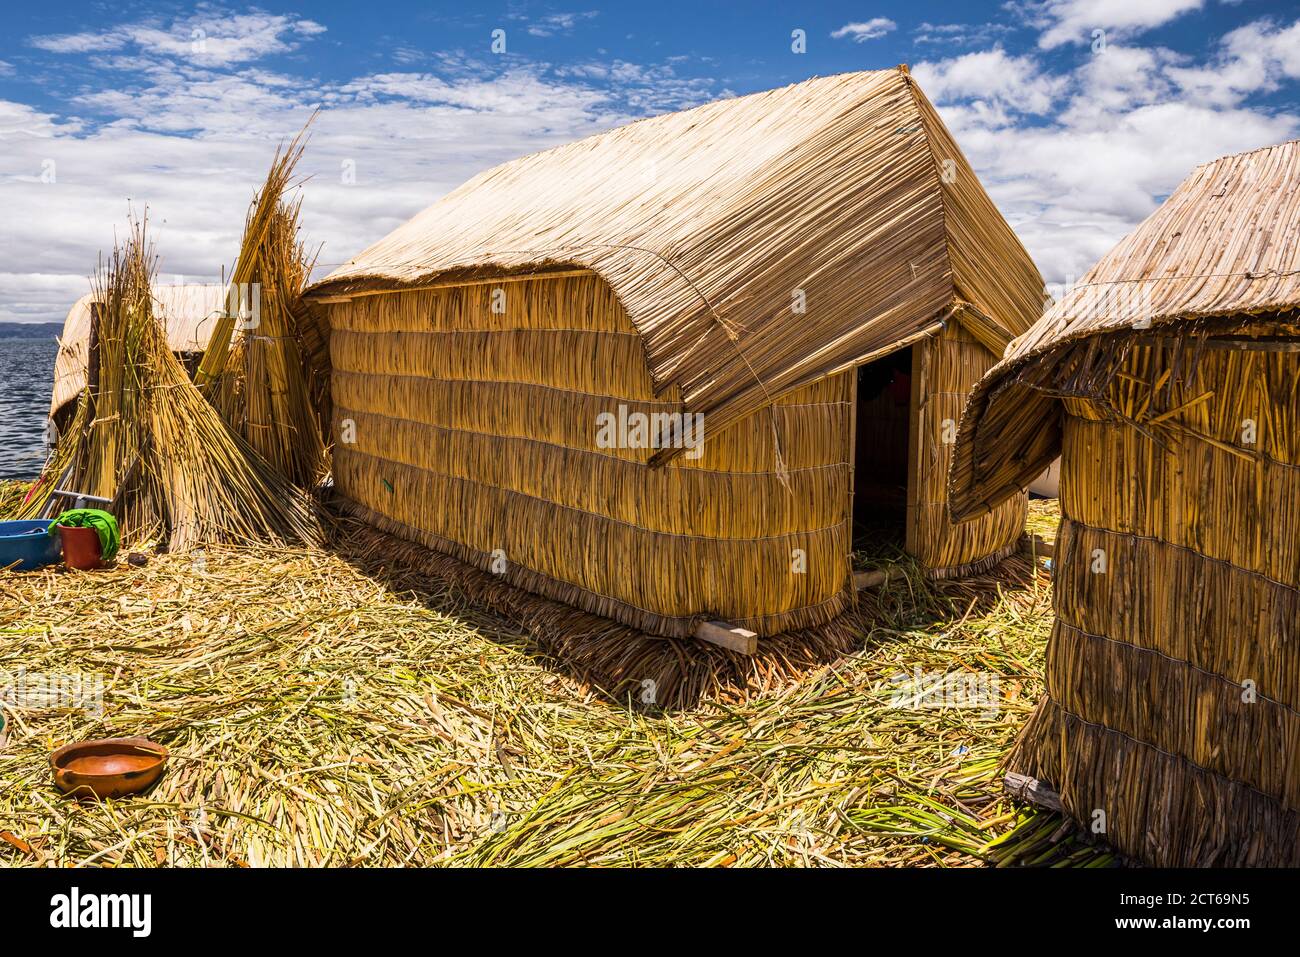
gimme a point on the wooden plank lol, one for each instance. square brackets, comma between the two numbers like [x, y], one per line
[872, 579]
[726, 635]
[1024, 788]
[1038, 547]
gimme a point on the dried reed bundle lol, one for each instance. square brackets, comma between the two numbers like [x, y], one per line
[146, 438]
[255, 370]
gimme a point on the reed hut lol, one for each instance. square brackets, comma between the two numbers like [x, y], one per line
[649, 373]
[188, 312]
[1168, 380]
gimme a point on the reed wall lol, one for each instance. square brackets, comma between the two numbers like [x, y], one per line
[474, 432]
[1173, 673]
[948, 367]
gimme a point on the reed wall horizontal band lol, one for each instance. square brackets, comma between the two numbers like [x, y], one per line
[1203, 499]
[1222, 619]
[592, 362]
[1158, 807]
[1179, 709]
[522, 412]
[713, 490]
[651, 623]
[608, 455]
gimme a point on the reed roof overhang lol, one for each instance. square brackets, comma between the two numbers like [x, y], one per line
[1225, 244]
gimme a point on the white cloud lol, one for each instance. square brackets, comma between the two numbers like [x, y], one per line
[1011, 84]
[1254, 58]
[554, 23]
[958, 34]
[193, 139]
[28, 296]
[207, 38]
[18, 120]
[1121, 79]
[1073, 21]
[1121, 133]
[869, 30]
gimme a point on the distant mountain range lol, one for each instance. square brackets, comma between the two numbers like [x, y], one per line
[30, 330]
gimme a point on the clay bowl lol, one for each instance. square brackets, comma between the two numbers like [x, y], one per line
[109, 768]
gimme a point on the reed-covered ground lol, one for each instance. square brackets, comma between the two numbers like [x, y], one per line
[322, 711]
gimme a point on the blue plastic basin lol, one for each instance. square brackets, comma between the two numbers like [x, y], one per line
[28, 544]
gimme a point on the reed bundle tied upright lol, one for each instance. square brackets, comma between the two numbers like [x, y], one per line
[1168, 382]
[144, 437]
[259, 368]
[731, 265]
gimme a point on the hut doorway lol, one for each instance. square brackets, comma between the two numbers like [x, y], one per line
[882, 441]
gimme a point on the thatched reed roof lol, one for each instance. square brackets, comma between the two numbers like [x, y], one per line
[1225, 244]
[188, 311]
[708, 222]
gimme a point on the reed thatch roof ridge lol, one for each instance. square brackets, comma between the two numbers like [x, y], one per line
[1226, 243]
[188, 312]
[709, 223]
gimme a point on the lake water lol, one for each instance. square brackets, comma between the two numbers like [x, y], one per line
[26, 378]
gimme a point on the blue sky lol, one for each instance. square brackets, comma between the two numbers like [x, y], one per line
[1079, 115]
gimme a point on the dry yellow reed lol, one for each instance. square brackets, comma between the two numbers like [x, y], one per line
[330, 709]
[255, 370]
[147, 440]
[1173, 694]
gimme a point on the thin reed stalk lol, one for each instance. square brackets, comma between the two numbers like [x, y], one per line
[255, 370]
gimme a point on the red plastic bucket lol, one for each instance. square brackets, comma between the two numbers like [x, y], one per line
[80, 547]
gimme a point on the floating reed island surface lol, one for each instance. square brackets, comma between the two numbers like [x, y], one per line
[323, 709]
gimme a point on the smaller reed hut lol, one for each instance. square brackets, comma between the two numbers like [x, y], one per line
[188, 311]
[1168, 380]
[680, 370]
